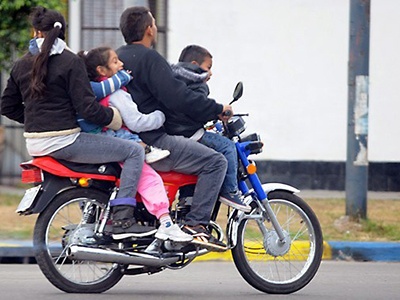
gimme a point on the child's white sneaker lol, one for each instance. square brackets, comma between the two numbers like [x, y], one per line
[153, 154]
[173, 233]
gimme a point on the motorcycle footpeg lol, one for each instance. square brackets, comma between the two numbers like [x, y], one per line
[104, 239]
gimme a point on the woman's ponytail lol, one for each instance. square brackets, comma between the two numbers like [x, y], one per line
[52, 24]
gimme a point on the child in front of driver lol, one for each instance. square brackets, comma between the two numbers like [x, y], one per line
[194, 68]
[102, 63]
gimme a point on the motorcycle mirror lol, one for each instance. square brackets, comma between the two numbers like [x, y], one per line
[238, 92]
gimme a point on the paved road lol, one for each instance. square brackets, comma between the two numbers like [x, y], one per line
[215, 280]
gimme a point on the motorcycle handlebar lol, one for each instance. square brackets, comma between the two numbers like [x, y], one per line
[228, 113]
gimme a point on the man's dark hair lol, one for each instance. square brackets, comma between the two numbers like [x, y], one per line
[194, 53]
[133, 23]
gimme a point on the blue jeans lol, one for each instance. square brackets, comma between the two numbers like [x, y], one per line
[122, 134]
[189, 157]
[225, 146]
[97, 149]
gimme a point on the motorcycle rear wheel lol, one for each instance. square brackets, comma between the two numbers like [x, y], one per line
[56, 227]
[272, 267]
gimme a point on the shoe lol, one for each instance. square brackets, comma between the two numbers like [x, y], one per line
[153, 154]
[127, 228]
[124, 224]
[173, 233]
[233, 200]
[202, 237]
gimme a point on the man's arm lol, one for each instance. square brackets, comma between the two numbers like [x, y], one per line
[174, 94]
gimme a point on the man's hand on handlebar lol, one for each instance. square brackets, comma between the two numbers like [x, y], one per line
[226, 114]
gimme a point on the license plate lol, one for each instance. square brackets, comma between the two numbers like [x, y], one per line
[28, 199]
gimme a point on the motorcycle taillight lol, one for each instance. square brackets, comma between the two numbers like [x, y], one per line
[33, 175]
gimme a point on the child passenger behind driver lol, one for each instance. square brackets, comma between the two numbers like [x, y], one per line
[102, 63]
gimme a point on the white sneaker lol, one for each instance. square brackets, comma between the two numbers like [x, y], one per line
[173, 233]
[155, 154]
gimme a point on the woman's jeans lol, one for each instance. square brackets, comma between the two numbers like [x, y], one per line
[97, 149]
[225, 146]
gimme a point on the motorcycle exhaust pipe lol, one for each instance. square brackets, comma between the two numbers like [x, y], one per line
[110, 256]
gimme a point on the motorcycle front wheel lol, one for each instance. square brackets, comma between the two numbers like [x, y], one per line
[59, 226]
[273, 267]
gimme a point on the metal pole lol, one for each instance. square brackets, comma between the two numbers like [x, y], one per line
[357, 129]
[74, 24]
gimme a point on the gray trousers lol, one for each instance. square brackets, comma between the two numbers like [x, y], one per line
[96, 149]
[190, 157]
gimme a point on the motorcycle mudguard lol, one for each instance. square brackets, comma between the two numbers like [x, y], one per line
[269, 187]
[51, 187]
[235, 219]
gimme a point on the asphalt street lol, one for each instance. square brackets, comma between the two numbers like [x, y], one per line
[214, 280]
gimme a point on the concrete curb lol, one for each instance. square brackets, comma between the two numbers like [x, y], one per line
[366, 251]
[349, 251]
[14, 251]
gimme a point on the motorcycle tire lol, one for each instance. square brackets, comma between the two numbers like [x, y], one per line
[270, 266]
[60, 225]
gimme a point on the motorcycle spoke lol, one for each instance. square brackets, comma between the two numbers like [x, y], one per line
[66, 221]
[59, 257]
[280, 268]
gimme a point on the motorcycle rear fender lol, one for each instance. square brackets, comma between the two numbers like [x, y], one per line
[272, 186]
[51, 187]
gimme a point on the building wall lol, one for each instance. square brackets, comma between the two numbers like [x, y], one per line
[327, 175]
[292, 58]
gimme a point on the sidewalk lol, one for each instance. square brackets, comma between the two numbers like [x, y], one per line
[16, 251]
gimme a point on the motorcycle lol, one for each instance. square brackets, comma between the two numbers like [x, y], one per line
[277, 247]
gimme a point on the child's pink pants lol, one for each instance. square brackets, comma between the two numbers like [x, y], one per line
[151, 189]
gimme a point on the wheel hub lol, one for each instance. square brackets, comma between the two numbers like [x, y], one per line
[274, 246]
[83, 235]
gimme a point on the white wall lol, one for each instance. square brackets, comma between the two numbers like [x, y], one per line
[292, 58]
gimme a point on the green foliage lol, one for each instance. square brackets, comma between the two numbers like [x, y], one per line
[390, 231]
[9, 200]
[20, 234]
[15, 29]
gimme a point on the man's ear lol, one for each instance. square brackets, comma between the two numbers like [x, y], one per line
[101, 70]
[149, 31]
